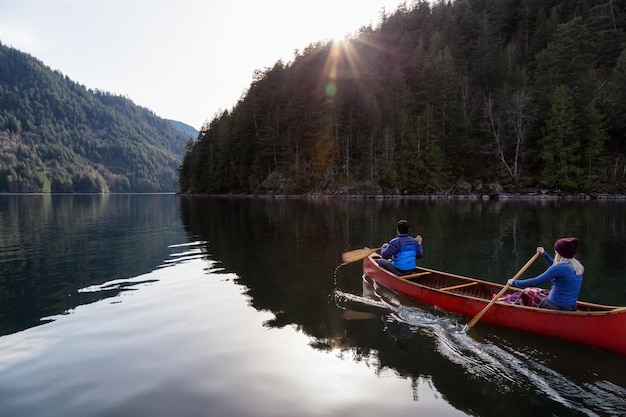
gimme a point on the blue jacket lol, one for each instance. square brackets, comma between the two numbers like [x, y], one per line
[402, 250]
[565, 283]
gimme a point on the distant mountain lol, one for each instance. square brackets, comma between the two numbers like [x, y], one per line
[59, 136]
[185, 128]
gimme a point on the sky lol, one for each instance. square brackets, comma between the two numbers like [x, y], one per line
[186, 60]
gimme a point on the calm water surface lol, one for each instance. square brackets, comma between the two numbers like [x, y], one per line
[157, 305]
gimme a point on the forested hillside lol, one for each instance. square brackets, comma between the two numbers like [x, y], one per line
[524, 93]
[58, 136]
[185, 128]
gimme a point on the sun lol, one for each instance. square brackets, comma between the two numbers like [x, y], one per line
[338, 32]
[339, 37]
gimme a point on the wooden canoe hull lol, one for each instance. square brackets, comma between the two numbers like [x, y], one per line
[594, 325]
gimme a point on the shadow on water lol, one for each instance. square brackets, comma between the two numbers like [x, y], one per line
[282, 252]
[497, 361]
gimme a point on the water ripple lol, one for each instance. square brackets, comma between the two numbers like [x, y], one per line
[508, 367]
[195, 250]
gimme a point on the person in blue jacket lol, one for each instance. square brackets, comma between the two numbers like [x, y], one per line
[566, 274]
[400, 253]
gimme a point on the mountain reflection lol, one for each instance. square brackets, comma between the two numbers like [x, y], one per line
[52, 246]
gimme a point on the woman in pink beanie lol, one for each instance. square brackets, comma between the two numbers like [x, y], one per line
[566, 274]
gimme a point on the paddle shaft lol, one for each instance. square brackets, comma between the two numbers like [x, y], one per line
[502, 291]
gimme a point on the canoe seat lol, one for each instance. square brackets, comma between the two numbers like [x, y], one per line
[416, 275]
[454, 287]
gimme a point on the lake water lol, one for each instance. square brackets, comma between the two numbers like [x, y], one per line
[159, 305]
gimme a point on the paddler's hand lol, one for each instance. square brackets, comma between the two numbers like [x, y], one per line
[419, 239]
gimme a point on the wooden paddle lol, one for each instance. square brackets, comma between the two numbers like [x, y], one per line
[502, 291]
[357, 254]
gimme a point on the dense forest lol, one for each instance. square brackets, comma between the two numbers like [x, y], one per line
[57, 136]
[525, 94]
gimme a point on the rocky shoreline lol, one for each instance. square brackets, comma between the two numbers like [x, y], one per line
[461, 190]
[443, 195]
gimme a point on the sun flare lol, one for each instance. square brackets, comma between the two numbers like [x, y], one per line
[339, 31]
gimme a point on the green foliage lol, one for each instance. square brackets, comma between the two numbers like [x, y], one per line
[57, 136]
[593, 141]
[560, 144]
[423, 167]
[520, 92]
[615, 97]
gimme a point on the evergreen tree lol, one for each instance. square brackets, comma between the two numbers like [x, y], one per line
[398, 107]
[616, 96]
[424, 161]
[593, 140]
[560, 144]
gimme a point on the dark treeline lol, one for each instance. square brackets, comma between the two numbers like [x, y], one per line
[523, 93]
[58, 136]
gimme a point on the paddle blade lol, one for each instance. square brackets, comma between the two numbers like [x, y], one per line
[357, 254]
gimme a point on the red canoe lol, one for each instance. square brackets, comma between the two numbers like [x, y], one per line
[595, 325]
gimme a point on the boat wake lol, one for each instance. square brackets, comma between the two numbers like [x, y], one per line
[503, 366]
